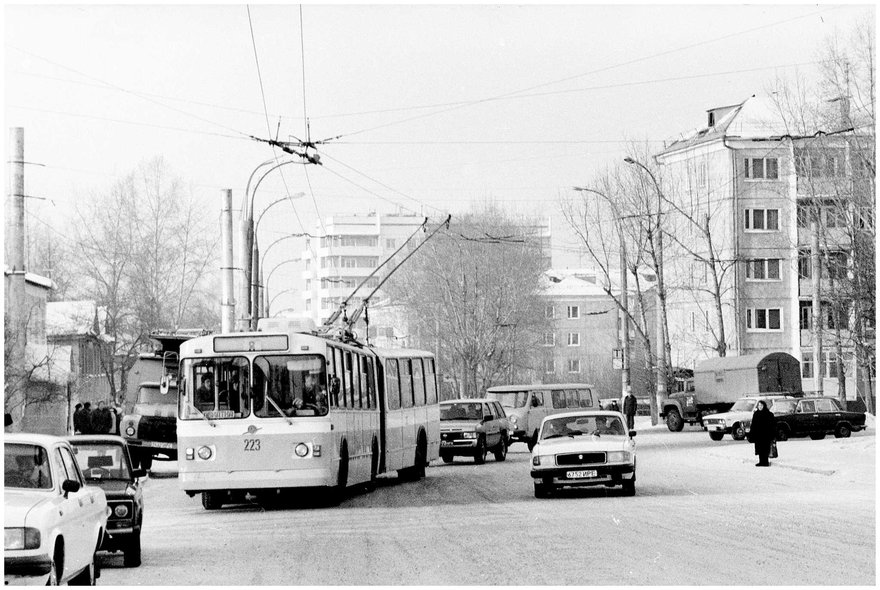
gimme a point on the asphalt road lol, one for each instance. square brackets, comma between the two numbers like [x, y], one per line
[702, 514]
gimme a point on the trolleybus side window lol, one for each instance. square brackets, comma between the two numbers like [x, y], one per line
[338, 371]
[406, 393]
[430, 382]
[367, 382]
[392, 385]
[418, 382]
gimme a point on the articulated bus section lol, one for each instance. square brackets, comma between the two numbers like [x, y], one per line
[264, 411]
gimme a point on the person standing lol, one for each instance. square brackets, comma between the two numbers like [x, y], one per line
[629, 409]
[762, 432]
[101, 419]
[85, 426]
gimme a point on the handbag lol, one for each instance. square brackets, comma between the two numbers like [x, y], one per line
[774, 453]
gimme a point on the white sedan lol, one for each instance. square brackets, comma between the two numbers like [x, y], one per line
[53, 522]
[587, 448]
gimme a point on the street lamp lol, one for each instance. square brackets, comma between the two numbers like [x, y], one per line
[625, 382]
[662, 336]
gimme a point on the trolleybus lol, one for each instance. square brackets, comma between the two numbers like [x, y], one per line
[284, 407]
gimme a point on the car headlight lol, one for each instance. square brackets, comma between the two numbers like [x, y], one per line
[468, 435]
[121, 511]
[21, 538]
[618, 456]
[129, 430]
[512, 420]
[301, 450]
[205, 453]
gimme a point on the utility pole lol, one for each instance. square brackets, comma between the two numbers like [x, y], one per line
[816, 270]
[16, 312]
[227, 304]
[625, 382]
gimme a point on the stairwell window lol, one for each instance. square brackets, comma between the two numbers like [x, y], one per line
[574, 338]
[574, 312]
[764, 319]
[761, 220]
[761, 168]
[762, 269]
[549, 339]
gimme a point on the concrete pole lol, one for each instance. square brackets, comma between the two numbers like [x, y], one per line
[227, 304]
[624, 323]
[244, 284]
[816, 271]
[16, 312]
[255, 284]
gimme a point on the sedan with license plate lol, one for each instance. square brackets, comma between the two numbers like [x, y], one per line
[588, 448]
[738, 420]
[105, 462]
[815, 417]
[53, 522]
[473, 427]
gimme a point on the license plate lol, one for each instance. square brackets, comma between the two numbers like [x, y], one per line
[445, 443]
[581, 474]
[160, 445]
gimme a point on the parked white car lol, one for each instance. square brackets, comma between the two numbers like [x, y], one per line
[738, 420]
[587, 448]
[53, 522]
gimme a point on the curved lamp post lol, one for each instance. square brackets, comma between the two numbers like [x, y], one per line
[662, 336]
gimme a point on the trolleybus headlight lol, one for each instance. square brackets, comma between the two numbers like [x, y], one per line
[121, 511]
[205, 453]
[316, 450]
[190, 454]
[301, 450]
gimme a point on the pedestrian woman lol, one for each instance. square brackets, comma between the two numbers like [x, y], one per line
[762, 432]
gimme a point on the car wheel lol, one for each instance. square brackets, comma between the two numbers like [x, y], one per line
[86, 577]
[716, 435]
[132, 554]
[212, 500]
[446, 458]
[738, 432]
[532, 441]
[629, 486]
[501, 450]
[782, 434]
[542, 490]
[481, 452]
[842, 431]
[817, 436]
[674, 421]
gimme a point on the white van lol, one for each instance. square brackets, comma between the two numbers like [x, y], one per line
[527, 405]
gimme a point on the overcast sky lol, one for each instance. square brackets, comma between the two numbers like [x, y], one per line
[438, 107]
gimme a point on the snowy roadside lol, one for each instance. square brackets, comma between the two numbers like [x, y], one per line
[829, 456]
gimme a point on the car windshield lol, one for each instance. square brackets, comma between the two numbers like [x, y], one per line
[461, 411]
[26, 466]
[509, 399]
[102, 461]
[783, 406]
[582, 425]
[744, 405]
[151, 395]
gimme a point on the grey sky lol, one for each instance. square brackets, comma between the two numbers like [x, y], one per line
[99, 89]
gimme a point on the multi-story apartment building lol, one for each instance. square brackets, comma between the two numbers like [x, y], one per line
[755, 184]
[349, 249]
[585, 330]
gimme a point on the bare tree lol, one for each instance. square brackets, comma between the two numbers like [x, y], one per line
[473, 294]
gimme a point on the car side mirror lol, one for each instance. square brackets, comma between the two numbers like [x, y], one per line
[138, 473]
[69, 485]
[632, 433]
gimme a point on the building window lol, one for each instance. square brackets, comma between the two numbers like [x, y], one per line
[574, 365]
[762, 269]
[574, 339]
[549, 366]
[574, 312]
[550, 312]
[805, 265]
[762, 168]
[390, 243]
[764, 320]
[549, 339]
[807, 365]
[762, 219]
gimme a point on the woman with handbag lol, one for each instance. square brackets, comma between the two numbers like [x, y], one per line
[763, 433]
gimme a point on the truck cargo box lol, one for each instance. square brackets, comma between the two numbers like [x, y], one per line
[724, 380]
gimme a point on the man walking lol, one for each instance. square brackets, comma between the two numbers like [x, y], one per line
[629, 409]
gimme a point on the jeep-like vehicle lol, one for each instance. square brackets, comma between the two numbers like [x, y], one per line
[150, 429]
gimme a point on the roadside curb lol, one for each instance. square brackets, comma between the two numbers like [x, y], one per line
[776, 463]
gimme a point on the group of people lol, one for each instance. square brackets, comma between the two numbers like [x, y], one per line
[103, 419]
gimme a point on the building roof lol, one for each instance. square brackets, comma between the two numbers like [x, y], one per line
[571, 286]
[754, 118]
[74, 318]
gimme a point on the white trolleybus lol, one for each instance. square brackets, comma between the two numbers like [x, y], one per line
[282, 407]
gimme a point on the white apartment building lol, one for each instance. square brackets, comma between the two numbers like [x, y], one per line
[747, 177]
[349, 249]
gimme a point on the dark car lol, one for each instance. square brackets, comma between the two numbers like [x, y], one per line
[815, 417]
[106, 463]
[472, 428]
